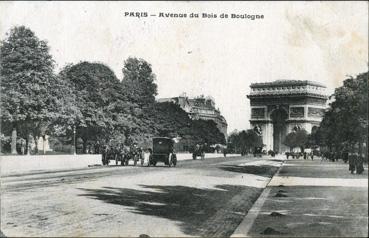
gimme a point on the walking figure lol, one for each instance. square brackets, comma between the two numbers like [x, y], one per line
[359, 164]
[352, 162]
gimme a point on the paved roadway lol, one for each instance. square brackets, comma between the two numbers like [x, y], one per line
[197, 198]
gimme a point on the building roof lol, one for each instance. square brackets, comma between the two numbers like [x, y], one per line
[195, 105]
[288, 88]
[286, 83]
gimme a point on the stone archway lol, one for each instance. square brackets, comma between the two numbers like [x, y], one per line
[279, 117]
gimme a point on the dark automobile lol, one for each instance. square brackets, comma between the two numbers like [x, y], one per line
[162, 151]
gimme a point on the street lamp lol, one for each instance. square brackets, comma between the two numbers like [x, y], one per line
[74, 140]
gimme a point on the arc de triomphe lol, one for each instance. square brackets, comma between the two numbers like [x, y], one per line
[280, 106]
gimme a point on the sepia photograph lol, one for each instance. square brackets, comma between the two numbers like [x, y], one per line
[184, 118]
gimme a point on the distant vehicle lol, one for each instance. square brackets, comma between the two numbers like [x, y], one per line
[198, 151]
[134, 153]
[258, 151]
[119, 154]
[162, 151]
[108, 153]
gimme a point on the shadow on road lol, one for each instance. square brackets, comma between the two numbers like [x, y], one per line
[263, 170]
[201, 212]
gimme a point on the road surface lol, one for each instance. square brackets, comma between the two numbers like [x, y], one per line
[196, 198]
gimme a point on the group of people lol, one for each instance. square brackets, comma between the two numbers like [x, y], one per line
[356, 163]
[121, 153]
[335, 156]
[297, 155]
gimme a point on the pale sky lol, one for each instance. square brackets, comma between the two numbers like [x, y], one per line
[318, 41]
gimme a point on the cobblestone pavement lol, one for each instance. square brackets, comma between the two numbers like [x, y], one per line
[197, 198]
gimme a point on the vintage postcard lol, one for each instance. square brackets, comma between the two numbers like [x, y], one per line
[184, 118]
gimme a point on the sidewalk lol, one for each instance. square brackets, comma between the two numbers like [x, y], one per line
[12, 165]
[311, 199]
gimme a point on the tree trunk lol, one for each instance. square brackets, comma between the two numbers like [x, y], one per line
[14, 142]
[36, 144]
[43, 144]
[28, 149]
[84, 146]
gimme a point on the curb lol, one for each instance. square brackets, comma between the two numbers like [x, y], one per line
[244, 227]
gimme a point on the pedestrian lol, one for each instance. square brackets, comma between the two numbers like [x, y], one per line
[105, 155]
[345, 156]
[312, 155]
[305, 155]
[352, 162]
[359, 164]
[202, 149]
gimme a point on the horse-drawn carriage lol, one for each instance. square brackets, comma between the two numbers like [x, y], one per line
[258, 152]
[198, 151]
[134, 154]
[123, 155]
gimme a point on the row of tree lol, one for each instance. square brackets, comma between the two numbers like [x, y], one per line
[86, 100]
[345, 123]
[244, 142]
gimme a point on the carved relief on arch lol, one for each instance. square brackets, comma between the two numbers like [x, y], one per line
[258, 113]
[297, 127]
[272, 108]
[296, 112]
[315, 112]
[258, 130]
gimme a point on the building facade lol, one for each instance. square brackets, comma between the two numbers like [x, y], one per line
[200, 108]
[279, 107]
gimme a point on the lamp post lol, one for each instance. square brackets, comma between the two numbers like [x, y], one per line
[74, 140]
